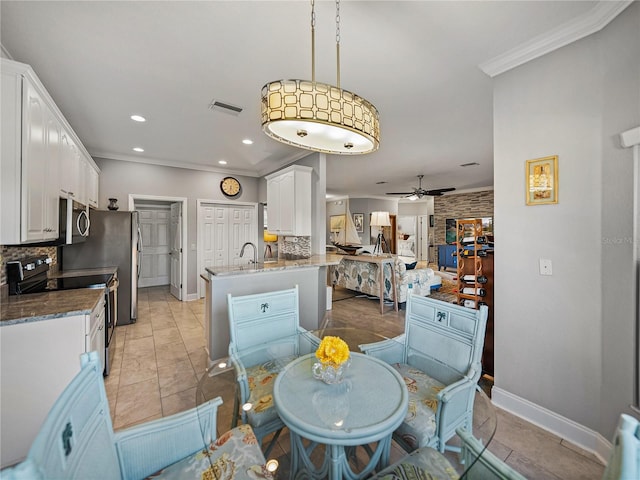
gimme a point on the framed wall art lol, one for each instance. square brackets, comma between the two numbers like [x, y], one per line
[336, 223]
[541, 179]
[358, 221]
[451, 230]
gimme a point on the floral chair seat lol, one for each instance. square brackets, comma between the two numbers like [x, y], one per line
[419, 426]
[233, 456]
[261, 378]
[422, 464]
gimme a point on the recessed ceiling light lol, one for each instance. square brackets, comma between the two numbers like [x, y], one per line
[138, 118]
[222, 162]
[138, 149]
[247, 141]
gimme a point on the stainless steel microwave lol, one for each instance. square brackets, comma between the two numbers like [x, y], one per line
[74, 222]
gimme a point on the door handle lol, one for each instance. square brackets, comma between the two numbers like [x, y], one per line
[85, 232]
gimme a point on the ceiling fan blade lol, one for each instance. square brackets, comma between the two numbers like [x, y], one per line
[436, 192]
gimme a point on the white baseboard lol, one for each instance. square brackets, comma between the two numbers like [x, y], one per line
[191, 297]
[563, 427]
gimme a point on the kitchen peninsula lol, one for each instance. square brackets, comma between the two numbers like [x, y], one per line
[310, 274]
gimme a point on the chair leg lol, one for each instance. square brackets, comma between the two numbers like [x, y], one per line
[271, 443]
[236, 412]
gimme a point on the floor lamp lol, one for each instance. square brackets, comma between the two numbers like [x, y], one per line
[380, 219]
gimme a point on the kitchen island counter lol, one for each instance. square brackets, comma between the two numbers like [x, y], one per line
[309, 274]
[250, 268]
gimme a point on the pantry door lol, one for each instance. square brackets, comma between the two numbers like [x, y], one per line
[175, 232]
[156, 245]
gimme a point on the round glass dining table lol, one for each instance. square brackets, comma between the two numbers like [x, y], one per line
[339, 448]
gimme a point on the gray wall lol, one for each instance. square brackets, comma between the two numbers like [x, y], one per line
[359, 205]
[368, 205]
[567, 342]
[317, 161]
[119, 179]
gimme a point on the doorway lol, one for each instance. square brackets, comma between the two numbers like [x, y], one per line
[156, 242]
[422, 239]
[165, 260]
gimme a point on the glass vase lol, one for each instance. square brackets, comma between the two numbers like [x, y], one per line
[330, 373]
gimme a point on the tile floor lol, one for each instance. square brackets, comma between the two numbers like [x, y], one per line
[159, 360]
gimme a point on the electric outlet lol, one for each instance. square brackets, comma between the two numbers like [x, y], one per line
[193, 247]
[545, 267]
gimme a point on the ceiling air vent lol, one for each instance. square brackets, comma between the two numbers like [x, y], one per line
[224, 107]
[470, 164]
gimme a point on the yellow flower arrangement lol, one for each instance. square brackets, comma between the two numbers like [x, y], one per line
[332, 350]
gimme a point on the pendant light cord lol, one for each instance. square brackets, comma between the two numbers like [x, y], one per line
[313, 42]
[338, 43]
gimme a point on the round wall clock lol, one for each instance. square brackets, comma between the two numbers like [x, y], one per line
[230, 187]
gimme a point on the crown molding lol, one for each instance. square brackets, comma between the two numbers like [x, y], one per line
[172, 163]
[589, 22]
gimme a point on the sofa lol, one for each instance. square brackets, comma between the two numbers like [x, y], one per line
[363, 277]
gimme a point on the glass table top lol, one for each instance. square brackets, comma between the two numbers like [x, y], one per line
[220, 381]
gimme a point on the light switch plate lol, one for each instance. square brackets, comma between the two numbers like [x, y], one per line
[545, 267]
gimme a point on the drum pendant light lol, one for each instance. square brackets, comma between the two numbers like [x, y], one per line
[318, 116]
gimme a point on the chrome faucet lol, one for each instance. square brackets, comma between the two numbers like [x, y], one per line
[255, 252]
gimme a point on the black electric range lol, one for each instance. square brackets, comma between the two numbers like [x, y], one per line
[31, 275]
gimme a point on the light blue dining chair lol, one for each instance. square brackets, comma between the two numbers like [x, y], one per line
[439, 356]
[255, 321]
[624, 461]
[480, 463]
[77, 441]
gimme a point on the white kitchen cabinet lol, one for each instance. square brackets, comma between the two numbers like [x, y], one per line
[40, 159]
[92, 178]
[289, 201]
[95, 336]
[38, 359]
[30, 158]
[70, 163]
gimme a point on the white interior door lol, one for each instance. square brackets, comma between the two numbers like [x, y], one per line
[206, 226]
[175, 232]
[220, 236]
[156, 237]
[222, 230]
[422, 240]
[241, 227]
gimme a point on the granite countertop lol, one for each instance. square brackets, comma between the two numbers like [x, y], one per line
[312, 262]
[36, 307]
[83, 272]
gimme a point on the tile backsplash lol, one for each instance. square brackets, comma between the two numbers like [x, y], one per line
[9, 253]
[294, 248]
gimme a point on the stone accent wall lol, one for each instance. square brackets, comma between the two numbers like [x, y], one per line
[294, 250]
[463, 205]
[8, 254]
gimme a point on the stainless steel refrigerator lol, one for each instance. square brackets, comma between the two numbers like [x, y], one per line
[114, 241]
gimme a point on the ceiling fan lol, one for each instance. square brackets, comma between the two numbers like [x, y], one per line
[420, 192]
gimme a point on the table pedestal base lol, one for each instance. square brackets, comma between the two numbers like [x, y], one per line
[335, 465]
